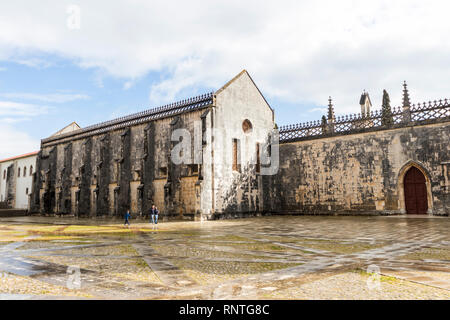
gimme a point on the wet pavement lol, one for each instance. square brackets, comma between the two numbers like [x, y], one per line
[259, 258]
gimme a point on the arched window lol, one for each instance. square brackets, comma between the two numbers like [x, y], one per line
[31, 170]
[25, 171]
[18, 172]
[247, 126]
[4, 174]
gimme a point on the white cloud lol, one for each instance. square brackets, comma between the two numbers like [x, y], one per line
[34, 63]
[15, 120]
[298, 51]
[319, 110]
[127, 85]
[15, 142]
[16, 109]
[52, 97]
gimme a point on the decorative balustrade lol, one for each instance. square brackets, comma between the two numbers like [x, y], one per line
[168, 110]
[295, 131]
[431, 110]
[356, 122]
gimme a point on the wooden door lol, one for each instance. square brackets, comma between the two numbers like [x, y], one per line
[415, 192]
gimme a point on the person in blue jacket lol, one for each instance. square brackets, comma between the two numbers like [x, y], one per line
[127, 218]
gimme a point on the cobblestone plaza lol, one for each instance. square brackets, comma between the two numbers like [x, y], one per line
[256, 258]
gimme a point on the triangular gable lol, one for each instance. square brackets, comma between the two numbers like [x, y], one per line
[69, 128]
[237, 77]
[365, 97]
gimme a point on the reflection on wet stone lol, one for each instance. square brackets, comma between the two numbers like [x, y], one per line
[305, 258]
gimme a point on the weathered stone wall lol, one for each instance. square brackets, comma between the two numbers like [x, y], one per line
[146, 193]
[66, 179]
[11, 185]
[106, 174]
[360, 173]
[46, 182]
[85, 177]
[103, 174]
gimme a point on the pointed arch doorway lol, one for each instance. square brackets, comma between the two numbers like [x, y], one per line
[415, 190]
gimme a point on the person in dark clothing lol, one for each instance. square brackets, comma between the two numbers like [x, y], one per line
[154, 213]
[152, 209]
[127, 218]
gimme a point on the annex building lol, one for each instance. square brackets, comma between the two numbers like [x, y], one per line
[16, 180]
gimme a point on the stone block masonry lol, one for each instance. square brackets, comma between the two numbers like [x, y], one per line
[361, 173]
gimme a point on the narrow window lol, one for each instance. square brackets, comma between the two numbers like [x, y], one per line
[4, 174]
[258, 159]
[203, 130]
[163, 171]
[236, 155]
[203, 124]
[247, 126]
[31, 170]
[26, 191]
[24, 171]
[193, 169]
[18, 172]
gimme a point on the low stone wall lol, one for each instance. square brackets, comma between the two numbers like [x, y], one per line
[12, 213]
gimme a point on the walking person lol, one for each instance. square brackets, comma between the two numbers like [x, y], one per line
[154, 212]
[127, 218]
[152, 218]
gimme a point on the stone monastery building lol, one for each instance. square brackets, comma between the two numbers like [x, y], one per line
[218, 155]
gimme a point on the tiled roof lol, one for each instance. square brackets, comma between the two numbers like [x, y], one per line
[21, 156]
[194, 103]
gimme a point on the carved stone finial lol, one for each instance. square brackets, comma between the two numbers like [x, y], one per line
[406, 102]
[330, 109]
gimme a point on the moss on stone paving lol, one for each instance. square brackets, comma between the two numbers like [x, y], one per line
[339, 247]
[227, 238]
[254, 246]
[175, 250]
[231, 267]
[428, 253]
[382, 278]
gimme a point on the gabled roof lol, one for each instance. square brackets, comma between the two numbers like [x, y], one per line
[237, 77]
[66, 127]
[183, 106]
[20, 156]
[364, 98]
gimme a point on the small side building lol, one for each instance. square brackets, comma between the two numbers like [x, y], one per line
[16, 180]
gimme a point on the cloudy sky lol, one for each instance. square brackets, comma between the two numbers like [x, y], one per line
[90, 61]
